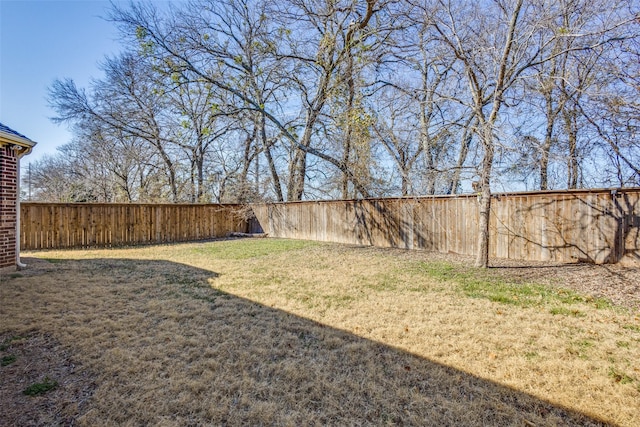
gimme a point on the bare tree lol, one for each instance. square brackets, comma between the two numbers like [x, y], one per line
[201, 120]
[240, 37]
[496, 61]
[310, 59]
[612, 111]
[395, 131]
[126, 100]
[243, 100]
[100, 164]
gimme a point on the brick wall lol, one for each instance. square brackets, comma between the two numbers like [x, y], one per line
[8, 197]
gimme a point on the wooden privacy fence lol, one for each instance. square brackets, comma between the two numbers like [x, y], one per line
[600, 226]
[80, 225]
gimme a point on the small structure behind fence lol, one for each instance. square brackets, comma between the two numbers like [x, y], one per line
[600, 226]
[82, 225]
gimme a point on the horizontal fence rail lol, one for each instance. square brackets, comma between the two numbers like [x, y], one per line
[82, 225]
[600, 226]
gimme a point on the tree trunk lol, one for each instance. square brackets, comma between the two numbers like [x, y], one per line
[348, 124]
[482, 259]
[462, 157]
[266, 148]
[171, 172]
[246, 165]
[200, 178]
[297, 172]
[571, 128]
[298, 167]
[546, 146]
[192, 181]
[427, 146]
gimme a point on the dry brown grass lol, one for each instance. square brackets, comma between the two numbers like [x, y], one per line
[277, 332]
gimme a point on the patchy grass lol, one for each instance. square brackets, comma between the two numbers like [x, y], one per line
[239, 250]
[7, 360]
[53, 260]
[580, 348]
[6, 344]
[566, 312]
[483, 283]
[28, 393]
[281, 332]
[620, 377]
[634, 328]
[43, 387]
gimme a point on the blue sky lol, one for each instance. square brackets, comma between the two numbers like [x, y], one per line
[41, 41]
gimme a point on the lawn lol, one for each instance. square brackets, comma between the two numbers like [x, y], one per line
[283, 332]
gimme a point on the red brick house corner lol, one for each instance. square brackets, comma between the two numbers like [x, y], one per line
[13, 146]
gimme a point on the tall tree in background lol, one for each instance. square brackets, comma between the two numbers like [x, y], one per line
[127, 101]
[496, 61]
[612, 109]
[321, 50]
[491, 67]
[308, 39]
[134, 103]
[245, 100]
[202, 122]
[231, 45]
[395, 130]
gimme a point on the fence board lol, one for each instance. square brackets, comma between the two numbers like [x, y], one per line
[60, 225]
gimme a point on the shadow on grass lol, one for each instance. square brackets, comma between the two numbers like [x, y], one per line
[166, 348]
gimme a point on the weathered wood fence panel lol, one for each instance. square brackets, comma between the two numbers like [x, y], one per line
[80, 225]
[600, 226]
